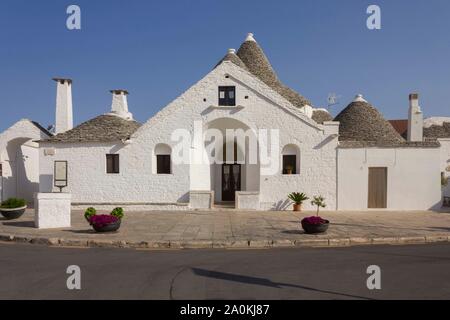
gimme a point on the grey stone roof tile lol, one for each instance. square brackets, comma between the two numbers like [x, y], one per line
[104, 128]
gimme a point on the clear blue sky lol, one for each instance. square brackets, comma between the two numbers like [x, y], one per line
[158, 49]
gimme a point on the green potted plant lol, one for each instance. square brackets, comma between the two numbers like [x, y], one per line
[316, 224]
[13, 208]
[298, 198]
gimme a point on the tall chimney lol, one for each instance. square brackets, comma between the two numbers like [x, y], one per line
[64, 115]
[119, 106]
[415, 119]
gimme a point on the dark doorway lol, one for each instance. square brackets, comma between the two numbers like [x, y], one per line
[231, 181]
[377, 188]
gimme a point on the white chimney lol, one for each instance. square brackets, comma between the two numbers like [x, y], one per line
[415, 119]
[64, 113]
[119, 106]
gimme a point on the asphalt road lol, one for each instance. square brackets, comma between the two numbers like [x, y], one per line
[407, 272]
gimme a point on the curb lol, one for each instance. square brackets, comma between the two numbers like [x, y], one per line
[226, 244]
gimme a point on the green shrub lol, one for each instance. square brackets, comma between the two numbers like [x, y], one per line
[318, 201]
[89, 213]
[12, 203]
[298, 197]
[118, 213]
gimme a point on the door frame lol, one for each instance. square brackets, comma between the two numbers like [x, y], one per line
[232, 195]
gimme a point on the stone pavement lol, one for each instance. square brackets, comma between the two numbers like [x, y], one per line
[238, 229]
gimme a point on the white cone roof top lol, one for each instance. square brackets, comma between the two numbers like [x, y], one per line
[359, 98]
[250, 37]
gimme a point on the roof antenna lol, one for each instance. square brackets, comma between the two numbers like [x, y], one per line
[332, 100]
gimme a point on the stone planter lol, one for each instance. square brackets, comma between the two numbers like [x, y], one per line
[315, 228]
[111, 227]
[12, 213]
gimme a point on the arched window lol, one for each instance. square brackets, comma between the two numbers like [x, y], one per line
[291, 159]
[162, 159]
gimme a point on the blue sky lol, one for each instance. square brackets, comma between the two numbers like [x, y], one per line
[158, 49]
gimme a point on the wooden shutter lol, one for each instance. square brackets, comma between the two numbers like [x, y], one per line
[377, 188]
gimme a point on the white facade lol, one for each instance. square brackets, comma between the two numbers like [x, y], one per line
[137, 182]
[19, 160]
[445, 164]
[413, 177]
[321, 166]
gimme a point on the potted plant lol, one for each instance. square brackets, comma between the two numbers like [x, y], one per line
[104, 222]
[316, 224]
[298, 199]
[289, 169]
[13, 208]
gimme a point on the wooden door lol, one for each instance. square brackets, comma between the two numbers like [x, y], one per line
[231, 181]
[377, 188]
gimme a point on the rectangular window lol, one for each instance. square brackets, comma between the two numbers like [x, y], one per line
[227, 96]
[163, 164]
[289, 164]
[112, 163]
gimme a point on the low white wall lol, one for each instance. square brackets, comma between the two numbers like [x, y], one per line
[247, 200]
[201, 199]
[413, 177]
[52, 210]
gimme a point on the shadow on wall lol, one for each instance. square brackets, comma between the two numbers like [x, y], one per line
[281, 205]
[18, 184]
[184, 198]
[46, 183]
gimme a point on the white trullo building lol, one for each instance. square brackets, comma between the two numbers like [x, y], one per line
[240, 136]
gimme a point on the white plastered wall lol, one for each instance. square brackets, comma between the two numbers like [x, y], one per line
[413, 177]
[258, 107]
[19, 157]
[445, 164]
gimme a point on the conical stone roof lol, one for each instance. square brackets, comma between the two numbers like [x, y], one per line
[320, 116]
[361, 122]
[232, 57]
[255, 61]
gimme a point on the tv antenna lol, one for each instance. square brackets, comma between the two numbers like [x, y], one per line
[332, 100]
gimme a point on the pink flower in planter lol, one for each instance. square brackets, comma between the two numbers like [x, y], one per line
[102, 220]
[314, 220]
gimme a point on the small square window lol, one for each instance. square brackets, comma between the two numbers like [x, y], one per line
[227, 96]
[112, 163]
[163, 164]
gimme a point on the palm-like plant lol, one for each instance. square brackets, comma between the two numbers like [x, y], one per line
[298, 197]
[318, 201]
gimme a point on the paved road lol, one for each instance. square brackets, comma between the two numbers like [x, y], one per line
[408, 272]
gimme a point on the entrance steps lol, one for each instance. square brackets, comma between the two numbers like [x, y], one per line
[224, 206]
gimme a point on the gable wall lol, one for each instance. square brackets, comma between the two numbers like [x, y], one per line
[137, 183]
